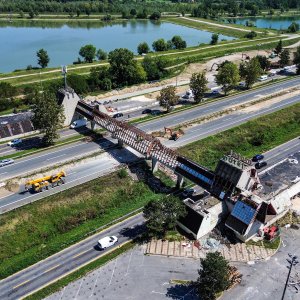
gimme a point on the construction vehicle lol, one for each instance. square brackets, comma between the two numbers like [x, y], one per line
[173, 135]
[43, 183]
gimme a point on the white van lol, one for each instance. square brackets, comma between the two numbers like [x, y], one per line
[107, 241]
[78, 123]
[263, 77]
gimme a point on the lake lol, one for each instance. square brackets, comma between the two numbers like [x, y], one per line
[279, 23]
[20, 40]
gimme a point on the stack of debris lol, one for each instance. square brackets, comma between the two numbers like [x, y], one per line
[235, 276]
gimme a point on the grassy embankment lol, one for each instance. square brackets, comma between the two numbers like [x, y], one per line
[256, 136]
[233, 31]
[33, 232]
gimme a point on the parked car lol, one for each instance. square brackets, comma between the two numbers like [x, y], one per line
[6, 162]
[107, 241]
[188, 95]
[14, 142]
[155, 112]
[260, 164]
[146, 111]
[215, 92]
[257, 157]
[78, 123]
[118, 115]
[188, 192]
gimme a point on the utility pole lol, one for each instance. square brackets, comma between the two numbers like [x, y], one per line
[64, 71]
[292, 263]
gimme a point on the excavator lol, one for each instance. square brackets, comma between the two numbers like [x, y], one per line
[43, 183]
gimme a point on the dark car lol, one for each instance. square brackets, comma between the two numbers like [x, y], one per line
[257, 157]
[118, 115]
[155, 112]
[260, 164]
[146, 111]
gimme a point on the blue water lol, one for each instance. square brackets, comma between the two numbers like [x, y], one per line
[279, 23]
[21, 40]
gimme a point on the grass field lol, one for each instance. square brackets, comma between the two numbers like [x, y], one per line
[256, 136]
[35, 231]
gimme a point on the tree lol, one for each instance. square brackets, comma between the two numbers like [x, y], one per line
[160, 45]
[213, 276]
[88, 52]
[21, 14]
[7, 90]
[78, 12]
[155, 16]
[124, 70]
[101, 54]
[284, 57]
[252, 72]
[143, 48]
[198, 85]
[251, 35]
[133, 12]
[143, 14]
[265, 64]
[228, 76]
[155, 67]
[297, 59]
[278, 48]
[178, 42]
[214, 39]
[168, 97]
[43, 58]
[294, 27]
[47, 117]
[99, 78]
[162, 215]
[78, 83]
[31, 14]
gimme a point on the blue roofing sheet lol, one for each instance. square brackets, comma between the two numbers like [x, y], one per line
[243, 212]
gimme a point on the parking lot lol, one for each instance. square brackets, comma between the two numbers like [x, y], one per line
[135, 276]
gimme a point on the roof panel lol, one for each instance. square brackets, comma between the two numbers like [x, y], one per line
[243, 212]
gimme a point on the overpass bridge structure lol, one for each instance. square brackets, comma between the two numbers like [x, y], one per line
[148, 146]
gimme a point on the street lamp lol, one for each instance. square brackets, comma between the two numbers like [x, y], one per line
[293, 262]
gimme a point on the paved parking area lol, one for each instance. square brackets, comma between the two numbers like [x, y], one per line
[134, 275]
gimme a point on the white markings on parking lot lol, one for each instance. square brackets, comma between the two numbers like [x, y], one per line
[79, 288]
[113, 272]
[94, 285]
[128, 264]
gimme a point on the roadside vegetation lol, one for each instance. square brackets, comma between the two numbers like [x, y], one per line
[33, 232]
[256, 136]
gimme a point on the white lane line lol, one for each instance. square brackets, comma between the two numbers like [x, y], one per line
[99, 272]
[113, 271]
[56, 157]
[59, 190]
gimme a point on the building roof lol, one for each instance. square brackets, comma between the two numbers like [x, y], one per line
[192, 220]
[243, 212]
[236, 225]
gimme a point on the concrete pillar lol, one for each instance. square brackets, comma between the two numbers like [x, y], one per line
[154, 165]
[93, 124]
[180, 181]
[120, 143]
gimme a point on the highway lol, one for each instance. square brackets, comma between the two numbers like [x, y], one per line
[76, 256]
[69, 152]
[66, 261]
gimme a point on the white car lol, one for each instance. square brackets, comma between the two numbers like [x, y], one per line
[14, 142]
[6, 162]
[107, 241]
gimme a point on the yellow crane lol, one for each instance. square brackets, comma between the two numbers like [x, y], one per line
[43, 183]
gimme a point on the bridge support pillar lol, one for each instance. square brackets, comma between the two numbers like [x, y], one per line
[120, 143]
[93, 124]
[180, 181]
[154, 165]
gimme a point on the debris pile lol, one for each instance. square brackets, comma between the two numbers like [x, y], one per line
[235, 276]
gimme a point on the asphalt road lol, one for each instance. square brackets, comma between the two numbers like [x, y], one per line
[66, 261]
[69, 152]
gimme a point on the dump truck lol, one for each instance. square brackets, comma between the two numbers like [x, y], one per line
[43, 183]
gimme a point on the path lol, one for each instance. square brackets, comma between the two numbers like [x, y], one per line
[218, 25]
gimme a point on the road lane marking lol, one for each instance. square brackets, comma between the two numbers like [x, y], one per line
[51, 269]
[24, 282]
[81, 253]
[56, 156]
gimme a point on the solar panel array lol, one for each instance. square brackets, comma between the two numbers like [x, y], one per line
[243, 212]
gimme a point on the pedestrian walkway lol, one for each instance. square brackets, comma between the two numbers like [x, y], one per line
[238, 252]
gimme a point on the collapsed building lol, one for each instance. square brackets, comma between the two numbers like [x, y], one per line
[245, 200]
